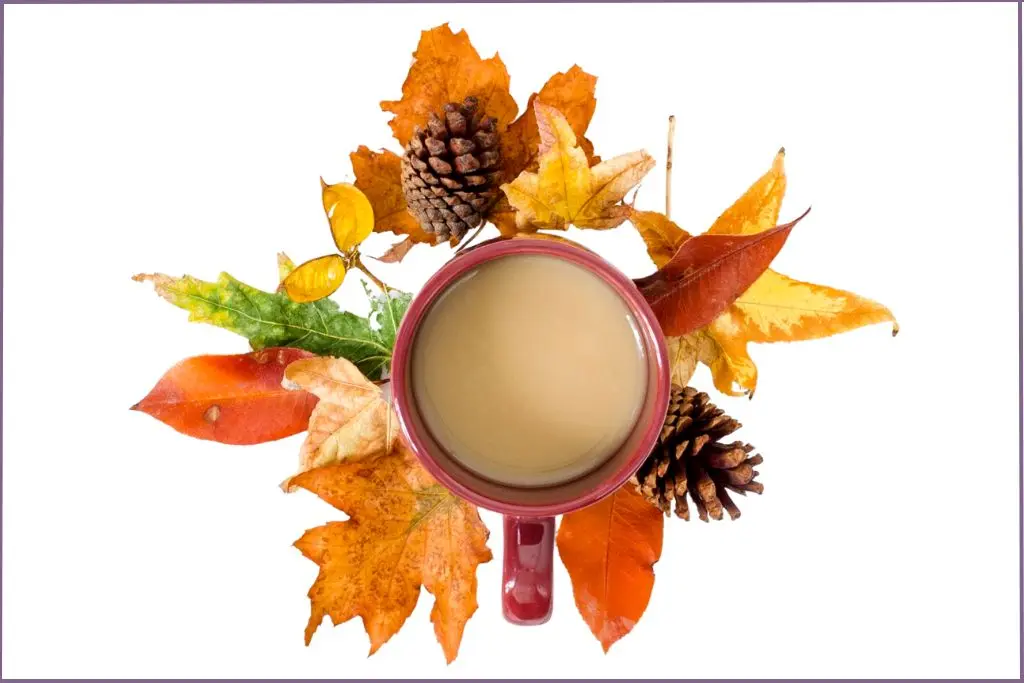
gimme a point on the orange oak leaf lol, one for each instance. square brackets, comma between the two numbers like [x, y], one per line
[609, 550]
[231, 399]
[775, 307]
[379, 176]
[571, 93]
[707, 274]
[352, 421]
[405, 530]
[566, 190]
[447, 68]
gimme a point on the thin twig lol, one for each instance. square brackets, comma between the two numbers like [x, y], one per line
[465, 243]
[358, 263]
[668, 166]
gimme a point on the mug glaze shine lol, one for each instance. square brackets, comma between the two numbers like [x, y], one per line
[529, 512]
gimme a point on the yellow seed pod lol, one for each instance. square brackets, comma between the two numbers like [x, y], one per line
[349, 213]
[315, 279]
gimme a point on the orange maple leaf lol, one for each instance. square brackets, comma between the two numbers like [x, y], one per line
[405, 530]
[609, 549]
[446, 68]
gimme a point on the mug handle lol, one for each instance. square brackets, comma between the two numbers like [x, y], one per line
[526, 573]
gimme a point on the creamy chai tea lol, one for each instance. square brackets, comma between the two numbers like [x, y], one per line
[529, 370]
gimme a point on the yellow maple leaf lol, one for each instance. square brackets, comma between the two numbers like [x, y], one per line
[775, 308]
[405, 530]
[565, 190]
[351, 421]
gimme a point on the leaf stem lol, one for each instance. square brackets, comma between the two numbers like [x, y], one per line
[358, 263]
[668, 166]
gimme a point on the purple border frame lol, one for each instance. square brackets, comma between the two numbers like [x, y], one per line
[1020, 219]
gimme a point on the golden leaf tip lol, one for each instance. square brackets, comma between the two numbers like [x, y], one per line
[782, 151]
[895, 328]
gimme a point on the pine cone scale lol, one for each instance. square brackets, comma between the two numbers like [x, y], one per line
[455, 156]
[690, 463]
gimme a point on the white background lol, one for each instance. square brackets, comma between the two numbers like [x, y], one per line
[191, 139]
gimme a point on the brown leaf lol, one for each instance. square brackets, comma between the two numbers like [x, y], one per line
[609, 550]
[707, 274]
[231, 399]
[379, 176]
[446, 68]
[571, 93]
[352, 421]
[405, 530]
[397, 251]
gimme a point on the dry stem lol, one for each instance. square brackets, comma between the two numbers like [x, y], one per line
[668, 166]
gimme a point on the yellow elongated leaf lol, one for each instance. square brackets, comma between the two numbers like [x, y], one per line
[315, 279]
[349, 213]
[758, 209]
[565, 190]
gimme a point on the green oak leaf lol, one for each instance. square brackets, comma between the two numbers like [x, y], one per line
[272, 319]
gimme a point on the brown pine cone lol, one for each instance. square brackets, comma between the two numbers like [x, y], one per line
[689, 459]
[450, 170]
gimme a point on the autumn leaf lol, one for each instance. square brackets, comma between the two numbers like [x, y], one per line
[572, 94]
[565, 189]
[284, 266]
[315, 279]
[352, 421]
[231, 399]
[379, 176]
[662, 237]
[272, 319]
[775, 307]
[609, 550]
[405, 530]
[349, 214]
[447, 68]
[707, 274]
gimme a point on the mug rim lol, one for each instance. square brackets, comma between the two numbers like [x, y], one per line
[450, 272]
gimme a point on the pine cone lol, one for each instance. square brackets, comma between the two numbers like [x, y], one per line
[450, 174]
[689, 459]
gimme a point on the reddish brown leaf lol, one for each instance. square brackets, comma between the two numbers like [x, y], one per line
[397, 251]
[707, 274]
[231, 399]
[609, 550]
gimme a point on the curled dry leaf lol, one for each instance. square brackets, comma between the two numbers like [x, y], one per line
[609, 549]
[565, 190]
[775, 307]
[706, 274]
[231, 399]
[405, 530]
[447, 68]
[352, 421]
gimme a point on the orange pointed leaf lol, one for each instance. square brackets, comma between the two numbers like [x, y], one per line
[571, 93]
[404, 530]
[707, 274]
[662, 237]
[609, 550]
[231, 399]
[315, 279]
[447, 68]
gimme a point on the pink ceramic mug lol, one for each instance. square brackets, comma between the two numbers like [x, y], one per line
[529, 512]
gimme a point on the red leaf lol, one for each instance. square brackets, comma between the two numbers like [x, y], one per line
[708, 273]
[231, 399]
